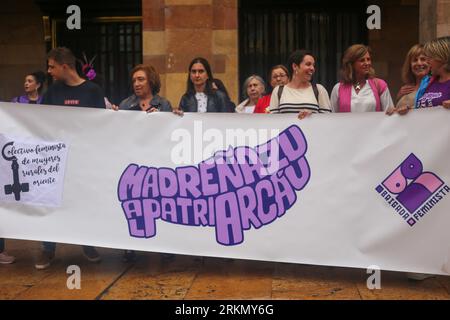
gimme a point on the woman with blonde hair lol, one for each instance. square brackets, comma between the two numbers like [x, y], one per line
[415, 62]
[414, 69]
[435, 90]
[359, 90]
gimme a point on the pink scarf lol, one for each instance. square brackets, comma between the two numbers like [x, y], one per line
[378, 87]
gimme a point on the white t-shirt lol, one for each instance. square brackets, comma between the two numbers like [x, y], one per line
[202, 102]
[364, 101]
[296, 100]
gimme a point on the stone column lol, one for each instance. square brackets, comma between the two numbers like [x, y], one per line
[176, 31]
[443, 18]
[434, 19]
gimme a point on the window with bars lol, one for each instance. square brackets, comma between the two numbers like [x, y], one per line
[117, 46]
[270, 30]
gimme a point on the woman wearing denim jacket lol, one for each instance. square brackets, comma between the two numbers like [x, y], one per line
[200, 95]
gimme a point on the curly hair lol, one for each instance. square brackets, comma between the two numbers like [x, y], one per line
[153, 78]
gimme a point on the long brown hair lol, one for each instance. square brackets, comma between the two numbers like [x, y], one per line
[351, 55]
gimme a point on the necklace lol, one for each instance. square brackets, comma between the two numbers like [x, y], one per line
[357, 86]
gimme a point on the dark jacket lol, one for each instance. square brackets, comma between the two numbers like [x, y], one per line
[132, 103]
[217, 102]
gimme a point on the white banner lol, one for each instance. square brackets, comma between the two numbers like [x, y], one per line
[350, 190]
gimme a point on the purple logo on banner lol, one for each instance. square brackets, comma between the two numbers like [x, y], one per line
[232, 191]
[412, 192]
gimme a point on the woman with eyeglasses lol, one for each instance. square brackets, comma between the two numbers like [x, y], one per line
[279, 76]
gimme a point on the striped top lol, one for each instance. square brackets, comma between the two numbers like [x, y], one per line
[296, 100]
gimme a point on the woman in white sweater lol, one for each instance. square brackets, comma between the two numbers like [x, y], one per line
[359, 90]
[300, 95]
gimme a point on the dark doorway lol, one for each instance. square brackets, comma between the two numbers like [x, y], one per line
[116, 46]
[111, 31]
[270, 30]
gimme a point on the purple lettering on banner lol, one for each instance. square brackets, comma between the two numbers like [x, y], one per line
[169, 210]
[200, 212]
[130, 184]
[228, 221]
[189, 182]
[284, 194]
[208, 177]
[267, 208]
[168, 183]
[234, 190]
[230, 177]
[293, 143]
[298, 173]
[150, 186]
[211, 212]
[248, 204]
[184, 204]
[133, 213]
[152, 211]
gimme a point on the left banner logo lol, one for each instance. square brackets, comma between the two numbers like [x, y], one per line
[32, 171]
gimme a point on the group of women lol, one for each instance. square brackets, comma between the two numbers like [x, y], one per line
[426, 74]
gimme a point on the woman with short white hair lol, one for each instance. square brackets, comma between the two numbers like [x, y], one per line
[253, 89]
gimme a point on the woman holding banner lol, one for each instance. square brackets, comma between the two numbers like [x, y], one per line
[359, 90]
[435, 90]
[200, 95]
[146, 85]
[415, 68]
[300, 95]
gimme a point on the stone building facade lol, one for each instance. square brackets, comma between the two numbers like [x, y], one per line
[176, 31]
